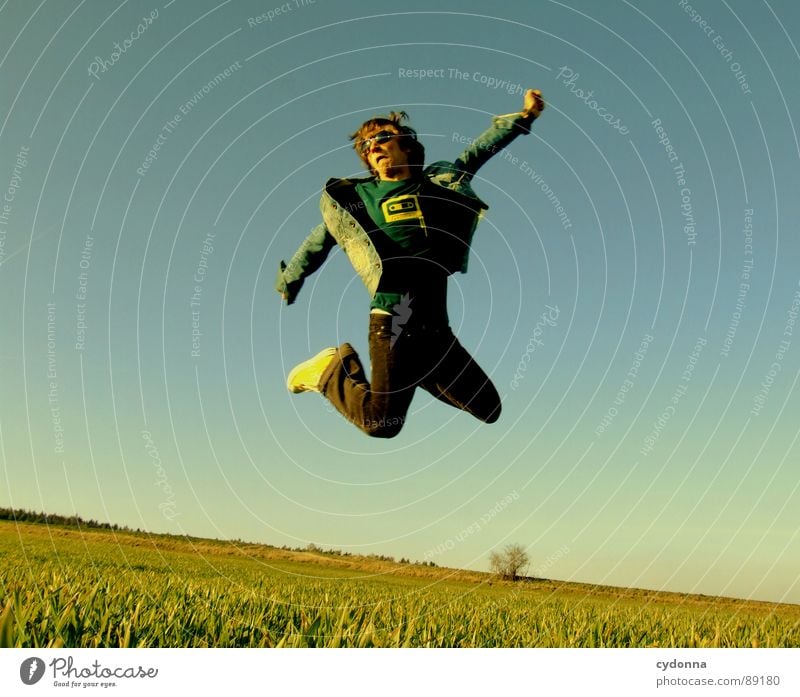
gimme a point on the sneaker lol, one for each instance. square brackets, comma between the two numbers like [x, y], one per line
[305, 376]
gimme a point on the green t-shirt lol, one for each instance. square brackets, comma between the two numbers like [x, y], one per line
[405, 238]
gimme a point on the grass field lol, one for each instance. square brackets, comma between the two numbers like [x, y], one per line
[62, 586]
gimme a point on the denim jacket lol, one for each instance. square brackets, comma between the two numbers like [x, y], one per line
[345, 219]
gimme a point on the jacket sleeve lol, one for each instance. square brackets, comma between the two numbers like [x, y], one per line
[306, 260]
[502, 131]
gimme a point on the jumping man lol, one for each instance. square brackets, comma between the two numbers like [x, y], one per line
[405, 229]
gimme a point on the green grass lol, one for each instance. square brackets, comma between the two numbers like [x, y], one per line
[66, 587]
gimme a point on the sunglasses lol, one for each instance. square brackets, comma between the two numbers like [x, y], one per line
[379, 138]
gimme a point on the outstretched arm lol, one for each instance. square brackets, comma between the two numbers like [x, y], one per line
[502, 131]
[306, 260]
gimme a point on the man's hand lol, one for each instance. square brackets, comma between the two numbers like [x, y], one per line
[281, 286]
[534, 103]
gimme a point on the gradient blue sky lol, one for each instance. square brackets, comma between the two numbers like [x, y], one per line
[674, 269]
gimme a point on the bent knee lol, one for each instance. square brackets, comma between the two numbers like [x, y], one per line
[493, 415]
[384, 428]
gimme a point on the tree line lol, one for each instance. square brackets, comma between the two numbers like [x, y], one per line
[510, 564]
[21, 515]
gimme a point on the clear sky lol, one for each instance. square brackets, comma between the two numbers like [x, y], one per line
[633, 288]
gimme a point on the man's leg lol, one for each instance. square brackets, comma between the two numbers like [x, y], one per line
[456, 379]
[378, 408]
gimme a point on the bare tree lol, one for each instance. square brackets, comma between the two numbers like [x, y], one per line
[511, 563]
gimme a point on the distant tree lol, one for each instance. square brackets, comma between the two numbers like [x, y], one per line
[511, 563]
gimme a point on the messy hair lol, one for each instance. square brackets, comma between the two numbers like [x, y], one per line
[408, 141]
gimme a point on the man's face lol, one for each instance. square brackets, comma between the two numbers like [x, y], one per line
[387, 158]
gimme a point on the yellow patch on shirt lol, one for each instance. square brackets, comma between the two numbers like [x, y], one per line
[405, 207]
[401, 208]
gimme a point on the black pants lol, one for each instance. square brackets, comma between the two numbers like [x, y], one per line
[418, 355]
